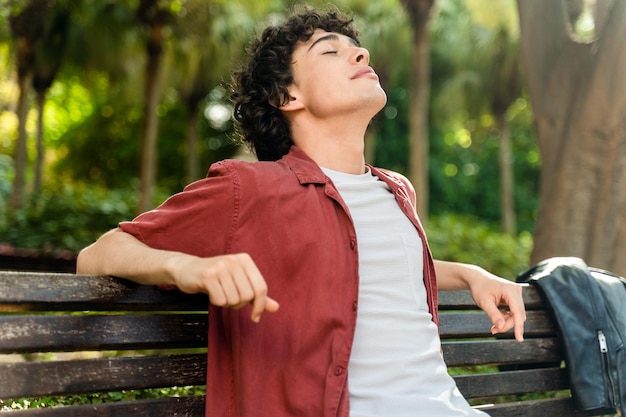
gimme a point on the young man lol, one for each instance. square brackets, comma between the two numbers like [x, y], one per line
[335, 241]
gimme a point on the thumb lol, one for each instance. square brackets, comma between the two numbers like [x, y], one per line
[271, 305]
[497, 317]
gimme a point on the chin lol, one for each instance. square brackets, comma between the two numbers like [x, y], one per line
[378, 102]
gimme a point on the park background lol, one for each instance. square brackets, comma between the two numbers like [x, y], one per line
[509, 119]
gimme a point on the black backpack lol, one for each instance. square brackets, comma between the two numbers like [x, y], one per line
[590, 308]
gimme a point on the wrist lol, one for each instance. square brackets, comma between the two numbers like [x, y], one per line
[172, 265]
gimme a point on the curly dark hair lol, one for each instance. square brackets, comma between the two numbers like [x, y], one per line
[259, 86]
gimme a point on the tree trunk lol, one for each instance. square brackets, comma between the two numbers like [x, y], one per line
[578, 94]
[151, 119]
[419, 13]
[40, 157]
[193, 156]
[20, 159]
[507, 188]
[27, 28]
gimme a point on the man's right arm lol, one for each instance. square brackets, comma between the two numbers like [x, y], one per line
[229, 280]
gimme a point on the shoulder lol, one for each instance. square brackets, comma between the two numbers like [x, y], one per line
[295, 166]
[248, 172]
[393, 176]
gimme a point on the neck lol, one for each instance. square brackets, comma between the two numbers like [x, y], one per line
[337, 145]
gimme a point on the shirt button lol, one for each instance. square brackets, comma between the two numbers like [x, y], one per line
[338, 371]
[354, 306]
[352, 244]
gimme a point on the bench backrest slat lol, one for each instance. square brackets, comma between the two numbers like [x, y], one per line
[58, 333]
[553, 407]
[32, 291]
[512, 382]
[462, 300]
[66, 377]
[500, 352]
[467, 324]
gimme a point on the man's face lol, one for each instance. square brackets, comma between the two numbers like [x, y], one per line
[332, 76]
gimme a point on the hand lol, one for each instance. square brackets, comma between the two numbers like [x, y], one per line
[492, 292]
[230, 281]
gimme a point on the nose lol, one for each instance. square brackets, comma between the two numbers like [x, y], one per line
[361, 56]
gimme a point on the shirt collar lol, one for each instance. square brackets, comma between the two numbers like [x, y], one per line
[303, 167]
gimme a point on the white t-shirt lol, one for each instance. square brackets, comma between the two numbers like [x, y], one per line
[396, 368]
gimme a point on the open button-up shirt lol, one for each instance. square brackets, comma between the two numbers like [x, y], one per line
[288, 216]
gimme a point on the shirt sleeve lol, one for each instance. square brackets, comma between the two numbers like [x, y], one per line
[198, 221]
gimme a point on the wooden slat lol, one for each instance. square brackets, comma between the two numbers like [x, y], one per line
[192, 406]
[462, 300]
[33, 291]
[556, 407]
[498, 352]
[57, 291]
[56, 333]
[512, 382]
[477, 324]
[35, 379]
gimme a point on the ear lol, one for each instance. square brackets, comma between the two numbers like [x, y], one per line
[294, 102]
[292, 105]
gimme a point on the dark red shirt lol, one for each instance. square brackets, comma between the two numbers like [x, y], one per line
[291, 220]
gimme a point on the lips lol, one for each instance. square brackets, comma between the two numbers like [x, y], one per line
[364, 72]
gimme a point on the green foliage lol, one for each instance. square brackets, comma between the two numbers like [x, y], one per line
[67, 216]
[90, 121]
[93, 118]
[466, 239]
[465, 175]
[6, 166]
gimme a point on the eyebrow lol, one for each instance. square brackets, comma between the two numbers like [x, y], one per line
[331, 37]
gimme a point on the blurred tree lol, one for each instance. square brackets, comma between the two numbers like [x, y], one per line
[48, 57]
[28, 24]
[208, 43]
[575, 62]
[485, 80]
[156, 16]
[419, 13]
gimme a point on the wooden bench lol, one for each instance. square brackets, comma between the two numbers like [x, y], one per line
[159, 340]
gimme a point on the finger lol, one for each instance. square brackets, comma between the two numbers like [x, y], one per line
[220, 285]
[272, 305]
[243, 286]
[519, 329]
[518, 314]
[216, 293]
[510, 321]
[258, 286]
[519, 317]
[497, 317]
[229, 278]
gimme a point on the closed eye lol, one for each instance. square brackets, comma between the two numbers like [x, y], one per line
[329, 52]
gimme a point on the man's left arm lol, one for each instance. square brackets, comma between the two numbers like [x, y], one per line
[489, 291]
